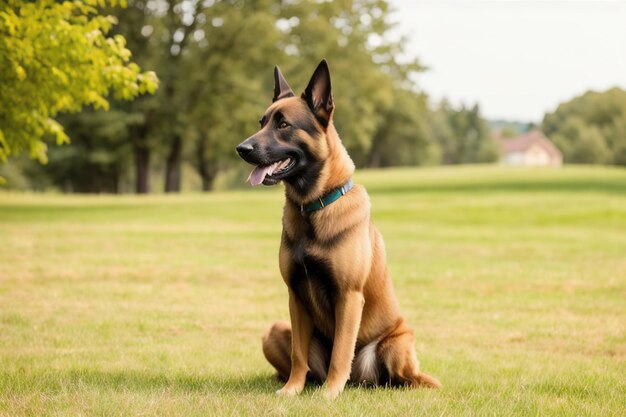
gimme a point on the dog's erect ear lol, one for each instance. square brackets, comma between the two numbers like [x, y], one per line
[318, 94]
[281, 88]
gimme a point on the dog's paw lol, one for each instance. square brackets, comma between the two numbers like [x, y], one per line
[332, 392]
[289, 390]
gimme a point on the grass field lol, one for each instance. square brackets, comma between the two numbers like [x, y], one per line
[515, 281]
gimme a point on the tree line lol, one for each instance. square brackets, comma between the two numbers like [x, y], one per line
[214, 61]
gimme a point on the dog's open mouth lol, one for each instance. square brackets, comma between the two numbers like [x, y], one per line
[272, 173]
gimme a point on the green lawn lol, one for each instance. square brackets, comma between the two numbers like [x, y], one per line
[514, 280]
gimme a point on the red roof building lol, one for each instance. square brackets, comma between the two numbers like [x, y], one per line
[530, 149]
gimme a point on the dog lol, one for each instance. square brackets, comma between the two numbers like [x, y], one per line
[345, 319]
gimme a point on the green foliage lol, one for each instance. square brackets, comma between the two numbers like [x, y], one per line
[368, 77]
[403, 137]
[590, 129]
[231, 82]
[215, 61]
[56, 57]
[463, 136]
[100, 156]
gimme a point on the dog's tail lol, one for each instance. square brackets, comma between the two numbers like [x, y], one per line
[425, 380]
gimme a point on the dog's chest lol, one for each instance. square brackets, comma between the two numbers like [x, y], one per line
[313, 282]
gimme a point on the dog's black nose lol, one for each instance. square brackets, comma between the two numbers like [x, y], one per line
[244, 149]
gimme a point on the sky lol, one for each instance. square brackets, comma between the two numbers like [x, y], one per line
[517, 59]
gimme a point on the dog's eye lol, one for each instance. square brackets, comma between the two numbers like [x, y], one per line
[283, 125]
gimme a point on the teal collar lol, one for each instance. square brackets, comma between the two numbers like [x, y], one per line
[329, 198]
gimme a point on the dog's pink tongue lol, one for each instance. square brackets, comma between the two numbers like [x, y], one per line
[258, 174]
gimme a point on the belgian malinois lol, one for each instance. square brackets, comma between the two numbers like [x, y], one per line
[345, 318]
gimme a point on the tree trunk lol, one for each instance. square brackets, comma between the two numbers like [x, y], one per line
[142, 165]
[373, 159]
[206, 171]
[68, 187]
[117, 181]
[207, 179]
[172, 168]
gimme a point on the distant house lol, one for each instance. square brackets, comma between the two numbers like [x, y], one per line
[530, 149]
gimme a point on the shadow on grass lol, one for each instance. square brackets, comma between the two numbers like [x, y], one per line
[55, 381]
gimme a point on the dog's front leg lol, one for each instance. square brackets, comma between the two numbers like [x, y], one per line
[348, 313]
[302, 330]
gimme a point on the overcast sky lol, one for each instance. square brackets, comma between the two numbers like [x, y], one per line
[517, 59]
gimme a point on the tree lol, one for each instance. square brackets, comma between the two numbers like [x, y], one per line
[403, 137]
[581, 143]
[591, 128]
[142, 31]
[229, 62]
[352, 36]
[463, 135]
[57, 57]
[100, 156]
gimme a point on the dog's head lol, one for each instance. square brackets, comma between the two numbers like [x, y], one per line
[291, 144]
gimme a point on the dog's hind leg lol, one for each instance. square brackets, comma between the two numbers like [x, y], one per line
[277, 351]
[277, 348]
[397, 352]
